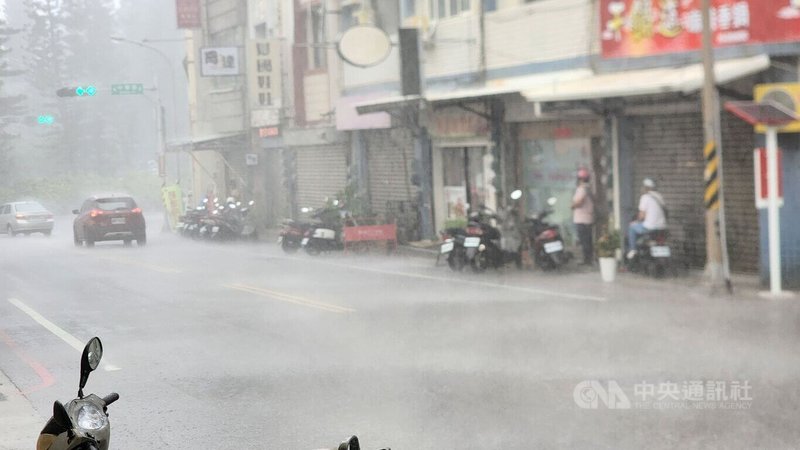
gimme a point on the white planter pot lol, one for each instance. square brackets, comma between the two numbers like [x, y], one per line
[608, 269]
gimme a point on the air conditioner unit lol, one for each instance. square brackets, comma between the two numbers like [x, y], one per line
[786, 95]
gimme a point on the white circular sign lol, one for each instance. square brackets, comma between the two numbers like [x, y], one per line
[364, 46]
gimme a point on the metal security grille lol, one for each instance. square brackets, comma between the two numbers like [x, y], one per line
[321, 174]
[390, 158]
[669, 148]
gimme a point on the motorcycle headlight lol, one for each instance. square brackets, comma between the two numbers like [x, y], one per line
[90, 417]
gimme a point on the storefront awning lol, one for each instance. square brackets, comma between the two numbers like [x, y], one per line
[685, 79]
[507, 86]
[492, 88]
[347, 118]
[387, 103]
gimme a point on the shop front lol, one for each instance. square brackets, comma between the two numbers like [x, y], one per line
[550, 154]
[463, 165]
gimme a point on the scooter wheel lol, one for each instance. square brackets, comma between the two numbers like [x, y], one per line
[455, 260]
[312, 250]
[479, 263]
[289, 247]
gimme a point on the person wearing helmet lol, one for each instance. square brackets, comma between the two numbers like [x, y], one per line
[652, 215]
[583, 215]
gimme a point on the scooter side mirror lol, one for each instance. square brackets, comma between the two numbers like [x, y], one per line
[516, 195]
[90, 360]
[61, 416]
[350, 444]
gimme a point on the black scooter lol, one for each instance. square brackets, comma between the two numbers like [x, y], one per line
[653, 255]
[81, 424]
[544, 240]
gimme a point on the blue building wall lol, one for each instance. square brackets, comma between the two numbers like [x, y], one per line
[789, 216]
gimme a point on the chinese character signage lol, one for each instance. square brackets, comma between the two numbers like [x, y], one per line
[188, 13]
[264, 78]
[219, 61]
[632, 28]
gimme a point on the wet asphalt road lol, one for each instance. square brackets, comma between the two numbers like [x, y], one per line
[241, 346]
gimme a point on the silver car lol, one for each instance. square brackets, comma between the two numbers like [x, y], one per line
[25, 217]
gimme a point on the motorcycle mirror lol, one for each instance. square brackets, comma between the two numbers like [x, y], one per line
[90, 359]
[551, 201]
[61, 416]
[350, 444]
[516, 195]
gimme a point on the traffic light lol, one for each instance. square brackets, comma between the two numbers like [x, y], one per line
[78, 91]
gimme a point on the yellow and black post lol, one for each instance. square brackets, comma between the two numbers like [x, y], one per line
[711, 177]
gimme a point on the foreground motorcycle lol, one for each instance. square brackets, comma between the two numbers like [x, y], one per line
[81, 424]
[653, 254]
[544, 240]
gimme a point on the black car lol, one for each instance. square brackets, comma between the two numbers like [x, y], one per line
[109, 218]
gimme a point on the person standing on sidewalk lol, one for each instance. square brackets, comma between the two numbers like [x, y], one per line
[583, 215]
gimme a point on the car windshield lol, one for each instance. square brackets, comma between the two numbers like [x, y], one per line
[113, 204]
[29, 207]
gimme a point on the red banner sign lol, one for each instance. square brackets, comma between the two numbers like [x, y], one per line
[631, 28]
[188, 13]
[371, 233]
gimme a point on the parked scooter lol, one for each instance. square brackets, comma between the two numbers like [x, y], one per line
[291, 235]
[499, 238]
[326, 236]
[453, 248]
[653, 255]
[81, 424]
[230, 222]
[544, 240]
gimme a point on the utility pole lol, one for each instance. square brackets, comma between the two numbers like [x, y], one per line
[717, 270]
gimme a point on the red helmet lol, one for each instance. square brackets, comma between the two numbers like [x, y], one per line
[583, 174]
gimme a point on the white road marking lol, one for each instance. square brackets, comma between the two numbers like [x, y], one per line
[71, 340]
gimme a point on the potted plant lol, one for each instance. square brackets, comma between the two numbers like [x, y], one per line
[607, 246]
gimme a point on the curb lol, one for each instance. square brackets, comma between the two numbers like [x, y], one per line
[21, 422]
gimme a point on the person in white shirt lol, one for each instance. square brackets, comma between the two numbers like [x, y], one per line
[651, 216]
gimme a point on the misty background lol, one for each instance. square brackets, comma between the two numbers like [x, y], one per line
[95, 144]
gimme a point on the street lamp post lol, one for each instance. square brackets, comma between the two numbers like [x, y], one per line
[171, 67]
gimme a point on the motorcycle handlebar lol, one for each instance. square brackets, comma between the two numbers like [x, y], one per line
[110, 398]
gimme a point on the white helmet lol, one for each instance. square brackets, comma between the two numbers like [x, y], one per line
[649, 183]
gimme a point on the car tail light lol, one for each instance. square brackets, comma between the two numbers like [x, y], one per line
[95, 213]
[21, 216]
[136, 210]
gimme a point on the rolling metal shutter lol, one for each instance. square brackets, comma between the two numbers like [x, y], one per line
[390, 158]
[321, 173]
[669, 149]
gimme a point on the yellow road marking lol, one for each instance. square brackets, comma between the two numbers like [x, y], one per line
[280, 296]
[157, 268]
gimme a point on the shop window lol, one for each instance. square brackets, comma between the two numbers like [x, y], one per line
[549, 168]
[467, 181]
